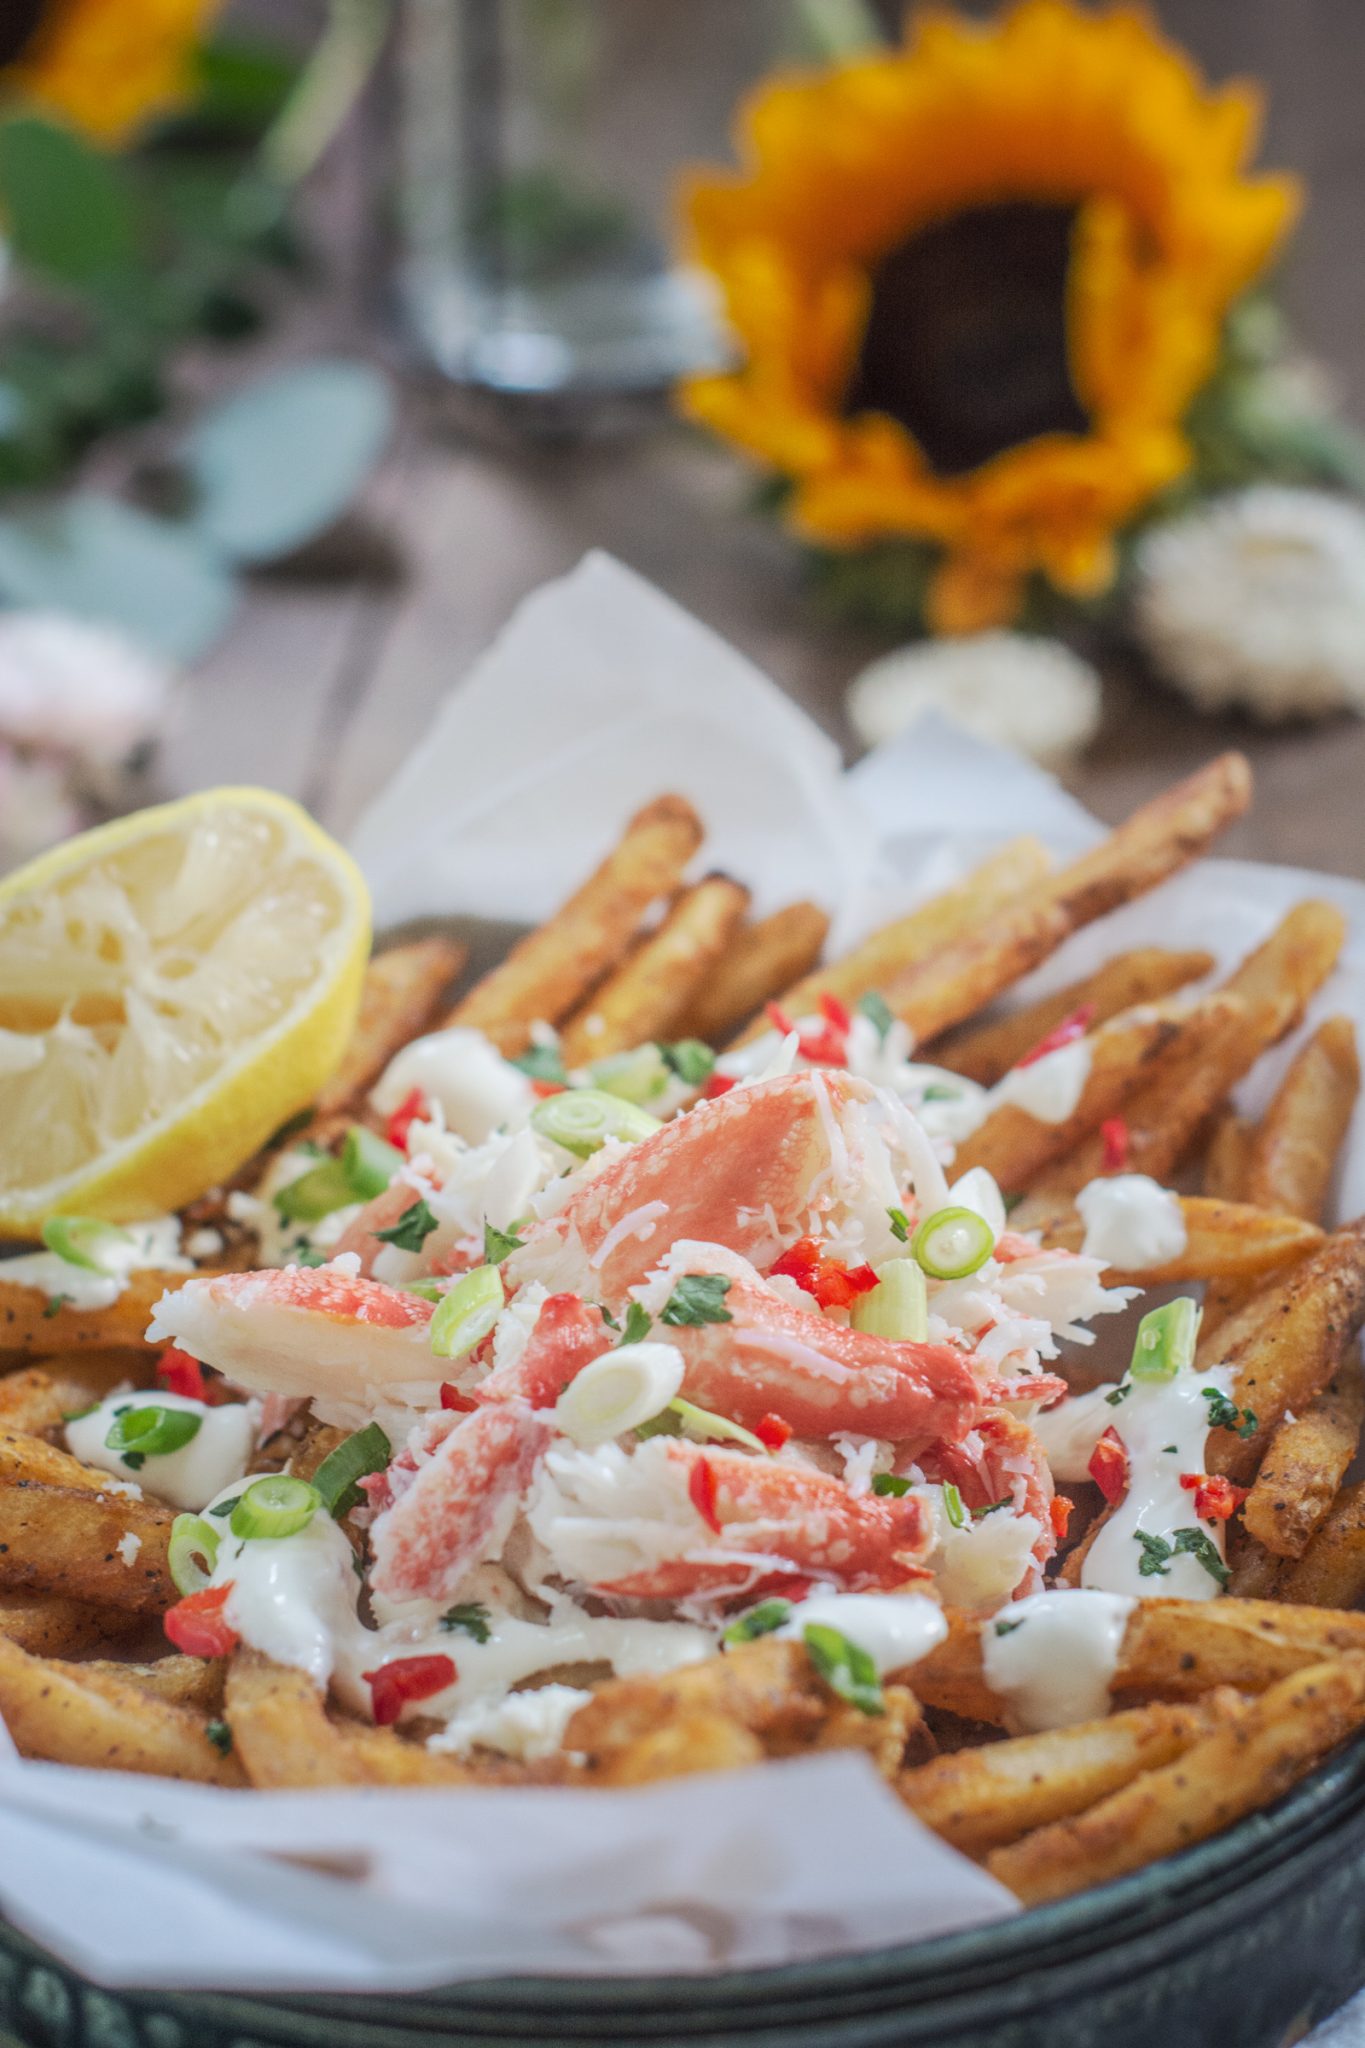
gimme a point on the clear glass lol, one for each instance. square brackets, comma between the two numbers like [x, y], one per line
[540, 147]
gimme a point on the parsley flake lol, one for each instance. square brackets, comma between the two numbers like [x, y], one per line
[412, 1229]
[1194, 1543]
[542, 1063]
[900, 1225]
[1120, 1393]
[992, 1506]
[697, 1298]
[225, 1507]
[690, 1060]
[56, 1303]
[1007, 1628]
[308, 1255]
[1156, 1557]
[639, 1323]
[759, 1621]
[1225, 1414]
[471, 1616]
[500, 1244]
[878, 1013]
[890, 1483]
[219, 1734]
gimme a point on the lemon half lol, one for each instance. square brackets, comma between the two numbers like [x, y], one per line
[173, 987]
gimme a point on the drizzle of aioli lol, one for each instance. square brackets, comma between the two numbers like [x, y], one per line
[1069, 1432]
[1164, 1427]
[1131, 1222]
[895, 1629]
[154, 1244]
[215, 1455]
[1053, 1656]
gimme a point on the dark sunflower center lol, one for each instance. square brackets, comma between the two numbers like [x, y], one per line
[19, 20]
[966, 340]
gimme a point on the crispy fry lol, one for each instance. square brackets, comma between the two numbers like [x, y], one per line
[31, 1326]
[963, 977]
[687, 1742]
[31, 1401]
[761, 960]
[52, 1627]
[31, 1461]
[548, 974]
[646, 995]
[402, 990]
[1221, 1238]
[1016, 1147]
[1333, 1565]
[1286, 1345]
[193, 1682]
[1305, 1462]
[986, 1052]
[979, 1799]
[1296, 1146]
[78, 1714]
[1225, 1161]
[899, 947]
[61, 1539]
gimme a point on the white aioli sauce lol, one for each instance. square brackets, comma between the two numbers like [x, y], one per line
[293, 1597]
[215, 1456]
[895, 1629]
[149, 1244]
[1053, 1656]
[1048, 1089]
[1069, 1432]
[526, 1725]
[476, 1088]
[1131, 1222]
[1164, 1426]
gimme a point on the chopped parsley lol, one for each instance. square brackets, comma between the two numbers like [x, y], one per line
[878, 1013]
[1157, 1553]
[845, 1666]
[690, 1060]
[1012, 1201]
[220, 1735]
[1194, 1543]
[542, 1063]
[412, 1229]
[698, 1298]
[1156, 1557]
[1120, 1393]
[900, 1225]
[500, 1244]
[471, 1616]
[1007, 1628]
[225, 1507]
[938, 1091]
[992, 1506]
[1225, 1414]
[759, 1621]
[56, 1303]
[891, 1483]
[639, 1323]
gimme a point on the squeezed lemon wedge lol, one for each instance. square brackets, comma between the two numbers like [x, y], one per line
[173, 987]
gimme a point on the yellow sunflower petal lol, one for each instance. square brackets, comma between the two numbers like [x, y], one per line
[108, 66]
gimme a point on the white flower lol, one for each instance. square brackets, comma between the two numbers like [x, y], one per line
[1259, 600]
[1035, 696]
[67, 686]
[36, 809]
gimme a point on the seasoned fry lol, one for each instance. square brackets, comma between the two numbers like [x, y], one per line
[1221, 1238]
[980, 1799]
[31, 1401]
[1295, 1149]
[551, 970]
[1243, 1765]
[80, 1714]
[986, 1052]
[1305, 1462]
[31, 1326]
[1284, 1350]
[899, 947]
[1225, 1161]
[646, 995]
[193, 1682]
[761, 960]
[1333, 1565]
[52, 1627]
[85, 1546]
[402, 990]
[31, 1461]
[963, 977]
[1016, 1147]
[1292, 964]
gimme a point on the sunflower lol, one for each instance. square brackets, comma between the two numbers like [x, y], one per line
[106, 66]
[975, 283]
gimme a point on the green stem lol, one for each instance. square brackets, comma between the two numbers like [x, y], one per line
[331, 82]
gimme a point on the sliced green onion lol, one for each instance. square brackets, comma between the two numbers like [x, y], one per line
[152, 1432]
[707, 1427]
[275, 1506]
[690, 1060]
[845, 1666]
[192, 1553]
[315, 1194]
[369, 1450]
[426, 1290]
[1165, 1340]
[581, 1119]
[369, 1162]
[952, 1243]
[952, 1506]
[762, 1620]
[86, 1241]
[621, 1390]
[467, 1313]
[636, 1076]
[891, 1484]
[897, 1307]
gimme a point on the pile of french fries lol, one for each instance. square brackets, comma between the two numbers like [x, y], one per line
[1217, 1706]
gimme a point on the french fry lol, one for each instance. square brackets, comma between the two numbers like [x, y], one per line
[1295, 1149]
[31, 1401]
[61, 1539]
[1305, 1462]
[549, 972]
[1240, 1766]
[402, 990]
[194, 1682]
[75, 1714]
[761, 960]
[1333, 1565]
[944, 920]
[1231, 1239]
[980, 1799]
[986, 1052]
[1015, 1146]
[645, 996]
[50, 1626]
[32, 1461]
[1292, 964]
[32, 1327]
[1286, 1345]
[963, 977]
[1225, 1161]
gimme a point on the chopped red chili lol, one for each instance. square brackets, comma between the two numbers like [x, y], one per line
[1115, 1141]
[1059, 1507]
[196, 1624]
[414, 1108]
[773, 1431]
[1071, 1027]
[701, 1491]
[181, 1374]
[1108, 1466]
[393, 1686]
[451, 1397]
[1216, 1499]
[718, 1084]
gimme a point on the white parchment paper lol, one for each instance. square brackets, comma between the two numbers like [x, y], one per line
[599, 694]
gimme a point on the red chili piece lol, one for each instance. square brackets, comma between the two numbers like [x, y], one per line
[827, 1047]
[392, 1686]
[451, 1397]
[701, 1491]
[1215, 1499]
[181, 1374]
[1074, 1026]
[414, 1108]
[1059, 1507]
[1115, 1139]
[547, 1088]
[196, 1625]
[718, 1084]
[772, 1431]
[836, 1013]
[834, 1284]
[1108, 1466]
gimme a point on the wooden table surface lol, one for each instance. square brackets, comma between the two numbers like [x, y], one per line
[324, 685]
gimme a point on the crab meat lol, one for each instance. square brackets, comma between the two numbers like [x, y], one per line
[457, 1508]
[1001, 1460]
[568, 1335]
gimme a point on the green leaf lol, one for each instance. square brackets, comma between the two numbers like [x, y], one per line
[278, 463]
[698, 1298]
[97, 559]
[759, 1621]
[1194, 1543]
[690, 1060]
[500, 1244]
[542, 1063]
[1156, 1554]
[69, 210]
[891, 1485]
[472, 1617]
[845, 1666]
[412, 1229]
[638, 1324]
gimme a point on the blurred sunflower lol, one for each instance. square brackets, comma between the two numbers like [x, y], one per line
[107, 66]
[975, 284]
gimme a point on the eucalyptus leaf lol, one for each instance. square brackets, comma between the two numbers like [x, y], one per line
[279, 462]
[69, 209]
[101, 560]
